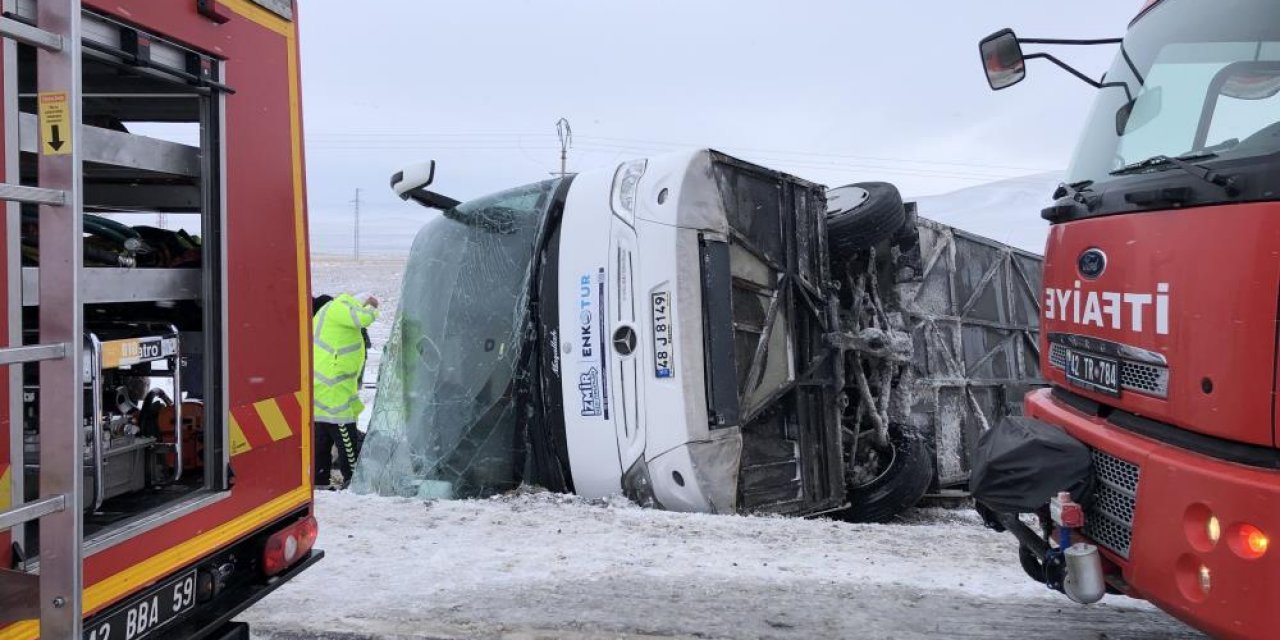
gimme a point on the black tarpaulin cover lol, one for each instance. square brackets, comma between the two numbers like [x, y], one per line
[1021, 463]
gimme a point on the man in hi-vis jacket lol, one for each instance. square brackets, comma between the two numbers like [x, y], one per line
[338, 349]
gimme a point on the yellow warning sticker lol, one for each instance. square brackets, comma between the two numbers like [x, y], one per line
[55, 124]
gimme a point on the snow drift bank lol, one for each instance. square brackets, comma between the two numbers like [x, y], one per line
[554, 566]
[1007, 211]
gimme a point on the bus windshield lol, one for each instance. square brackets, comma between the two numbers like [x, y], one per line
[446, 420]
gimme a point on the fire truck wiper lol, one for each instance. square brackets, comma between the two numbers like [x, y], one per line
[1184, 162]
[1074, 190]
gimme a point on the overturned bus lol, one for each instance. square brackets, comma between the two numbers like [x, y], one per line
[697, 333]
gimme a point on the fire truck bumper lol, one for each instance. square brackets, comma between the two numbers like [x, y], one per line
[214, 620]
[222, 585]
[1188, 532]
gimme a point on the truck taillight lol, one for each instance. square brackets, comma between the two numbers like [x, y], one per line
[1249, 542]
[288, 545]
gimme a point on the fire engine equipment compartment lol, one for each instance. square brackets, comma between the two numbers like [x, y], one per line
[152, 283]
[155, 140]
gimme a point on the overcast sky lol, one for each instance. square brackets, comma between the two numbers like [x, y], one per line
[836, 91]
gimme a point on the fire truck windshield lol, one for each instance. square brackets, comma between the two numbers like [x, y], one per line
[1205, 80]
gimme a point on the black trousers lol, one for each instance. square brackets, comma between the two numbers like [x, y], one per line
[347, 438]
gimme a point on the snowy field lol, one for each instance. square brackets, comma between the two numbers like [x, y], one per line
[548, 566]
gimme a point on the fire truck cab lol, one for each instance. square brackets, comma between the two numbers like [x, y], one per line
[1159, 323]
[155, 472]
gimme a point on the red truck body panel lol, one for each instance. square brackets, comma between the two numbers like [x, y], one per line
[1168, 544]
[268, 300]
[1220, 268]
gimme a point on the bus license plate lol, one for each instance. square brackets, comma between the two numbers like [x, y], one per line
[1094, 372]
[147, 613]
[662, 345]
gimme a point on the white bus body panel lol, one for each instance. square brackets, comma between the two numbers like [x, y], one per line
[619, 407]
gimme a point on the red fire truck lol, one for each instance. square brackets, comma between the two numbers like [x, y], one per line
[1159, 331]
[155, 417]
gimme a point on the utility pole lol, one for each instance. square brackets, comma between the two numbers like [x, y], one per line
[565, 133]
[356, 204]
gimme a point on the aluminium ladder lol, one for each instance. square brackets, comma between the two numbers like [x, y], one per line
[55, 596]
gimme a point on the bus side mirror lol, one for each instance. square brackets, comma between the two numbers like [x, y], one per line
[413, 177]
[411, 184]
[1002, 59]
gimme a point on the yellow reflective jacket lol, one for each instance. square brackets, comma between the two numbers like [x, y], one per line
[338, 349]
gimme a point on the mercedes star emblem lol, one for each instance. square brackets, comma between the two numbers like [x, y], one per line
[624, 340]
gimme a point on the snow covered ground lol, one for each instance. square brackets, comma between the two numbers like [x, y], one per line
[550, 566]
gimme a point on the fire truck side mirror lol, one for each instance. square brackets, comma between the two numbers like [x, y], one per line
[1002, 59]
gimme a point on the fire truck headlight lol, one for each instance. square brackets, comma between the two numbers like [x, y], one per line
[1202, 528]
[1214, 528]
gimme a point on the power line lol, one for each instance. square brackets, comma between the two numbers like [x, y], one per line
[356, 244]
[505, 140]
[793, 159]
[816, 161]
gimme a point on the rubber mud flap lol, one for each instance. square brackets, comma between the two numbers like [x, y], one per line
[1021, 463]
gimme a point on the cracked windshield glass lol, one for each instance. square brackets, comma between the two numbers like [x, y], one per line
[446, 421]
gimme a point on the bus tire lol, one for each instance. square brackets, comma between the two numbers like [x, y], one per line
[868, 213]
[897, 488]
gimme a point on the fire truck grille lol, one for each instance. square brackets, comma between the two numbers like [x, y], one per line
[1147, 379]
[1109, 521]
[1058, 356]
